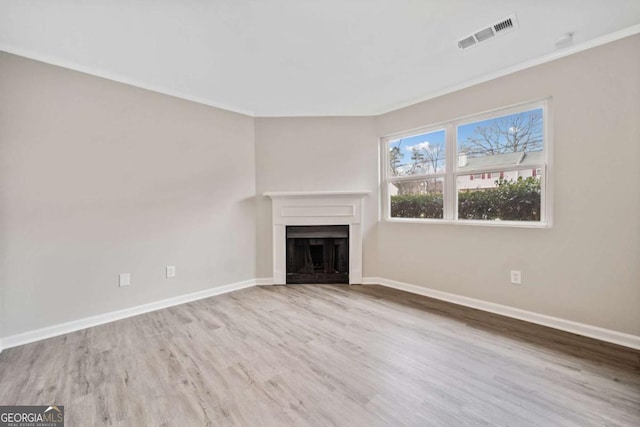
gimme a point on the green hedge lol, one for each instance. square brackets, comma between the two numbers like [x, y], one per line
[510, 201]
[417, 206]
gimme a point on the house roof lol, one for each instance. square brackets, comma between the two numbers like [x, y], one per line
[518, 158]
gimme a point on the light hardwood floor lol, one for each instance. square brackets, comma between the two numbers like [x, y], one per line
[325, 355]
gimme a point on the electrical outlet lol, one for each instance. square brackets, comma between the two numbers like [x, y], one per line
[171, 271]
[516, 277]
[125, 279]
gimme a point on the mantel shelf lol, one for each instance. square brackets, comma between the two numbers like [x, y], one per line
[289, 194]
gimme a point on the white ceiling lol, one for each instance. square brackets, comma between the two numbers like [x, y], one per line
[301, 57]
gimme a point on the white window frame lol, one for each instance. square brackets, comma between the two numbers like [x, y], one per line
[450, 195]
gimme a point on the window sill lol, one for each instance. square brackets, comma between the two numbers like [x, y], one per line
[469, 222]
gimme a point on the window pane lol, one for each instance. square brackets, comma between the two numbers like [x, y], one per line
[418, 154]
[509, 140]
[515, 197]
[417, 198]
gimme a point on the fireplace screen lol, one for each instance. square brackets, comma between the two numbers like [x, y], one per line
[318, 254]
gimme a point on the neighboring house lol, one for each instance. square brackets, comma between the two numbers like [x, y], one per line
[476, 178]
[420, 186]
[479, 180]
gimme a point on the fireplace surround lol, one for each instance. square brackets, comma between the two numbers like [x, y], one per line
[317, 208]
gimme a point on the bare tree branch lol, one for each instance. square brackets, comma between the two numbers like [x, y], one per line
[518, 132]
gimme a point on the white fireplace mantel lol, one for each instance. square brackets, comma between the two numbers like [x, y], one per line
[317, 208]
[316, 194]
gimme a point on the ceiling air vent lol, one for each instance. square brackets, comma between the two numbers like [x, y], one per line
[504, 25]
[501, 27]
[483, 35]
[465, 43]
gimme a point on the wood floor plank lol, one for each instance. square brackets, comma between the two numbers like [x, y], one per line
[322, 355]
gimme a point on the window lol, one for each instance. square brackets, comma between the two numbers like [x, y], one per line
[416, 175]
[488, 168]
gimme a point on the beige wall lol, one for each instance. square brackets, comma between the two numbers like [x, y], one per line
[587, 267]
[99, 178]
[315, 154]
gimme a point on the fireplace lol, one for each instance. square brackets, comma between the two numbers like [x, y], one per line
[317, 254]
[292, 214]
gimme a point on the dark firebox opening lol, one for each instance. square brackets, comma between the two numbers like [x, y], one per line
[318, 254]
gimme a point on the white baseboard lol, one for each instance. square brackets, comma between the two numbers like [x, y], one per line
[627, 340]
[88, 322]
[608, 335]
